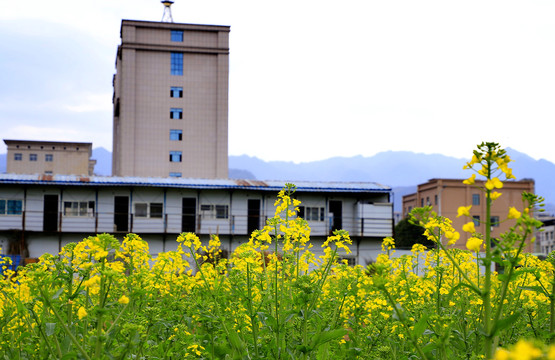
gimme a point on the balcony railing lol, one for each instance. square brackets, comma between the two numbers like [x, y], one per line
[175, 223]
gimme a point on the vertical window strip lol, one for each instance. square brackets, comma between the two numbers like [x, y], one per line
[176, 67]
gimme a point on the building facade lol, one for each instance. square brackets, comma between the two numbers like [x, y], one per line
[49, 157]
[446, 195]
[546, 236]
[38, 215]
[171, 100]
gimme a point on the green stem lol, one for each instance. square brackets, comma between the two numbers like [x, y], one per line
[117, 319]
[254, 325]
[64, 326]
[276, 302]
[401, 317]
[41, 331]
[486, 298]
[100, 316]
[213, 297]
[552, 312]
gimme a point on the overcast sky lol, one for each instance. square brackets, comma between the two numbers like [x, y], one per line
[309, 80]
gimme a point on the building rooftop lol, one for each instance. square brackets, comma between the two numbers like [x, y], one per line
[42, 142]
[240, 184]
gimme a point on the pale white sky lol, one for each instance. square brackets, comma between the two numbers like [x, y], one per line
[309, 80]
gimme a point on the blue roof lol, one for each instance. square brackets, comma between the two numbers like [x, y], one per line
[191, 183]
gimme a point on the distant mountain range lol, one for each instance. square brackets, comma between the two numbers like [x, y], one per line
[401, 170]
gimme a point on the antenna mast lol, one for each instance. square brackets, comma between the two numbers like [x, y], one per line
[167, 16]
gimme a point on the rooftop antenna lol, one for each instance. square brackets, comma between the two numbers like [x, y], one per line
[167, 16]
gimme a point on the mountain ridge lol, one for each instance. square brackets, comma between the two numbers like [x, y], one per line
[400, 170]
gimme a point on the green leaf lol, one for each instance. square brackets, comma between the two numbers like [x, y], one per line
[537, 289]
[420, 326]
[57, 294]
[70, 356]
[50, 328]
[505, 323]
[326, 336]
[236, 341]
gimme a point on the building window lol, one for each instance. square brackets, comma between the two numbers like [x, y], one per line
[422, 202]
[175, 156]
[18, 156]
[149, 210]
[475, 199]
[11, 207]
[176, 135]
[175, 174]
[351, 261]
[209, 211]
[141, 210]
[156, 210]
[177, 35]
[48, 157]
[476, 219]
[79, 208]
[176, 92]
[176, 67]
[495, 221]
[311, 213]
[32, 157]
[176, 113]
[435, 199]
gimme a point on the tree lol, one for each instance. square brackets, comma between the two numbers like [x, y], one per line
[408, 234]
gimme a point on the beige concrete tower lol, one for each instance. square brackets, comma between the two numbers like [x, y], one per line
[171, 100]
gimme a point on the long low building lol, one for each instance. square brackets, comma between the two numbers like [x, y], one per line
[42, 213]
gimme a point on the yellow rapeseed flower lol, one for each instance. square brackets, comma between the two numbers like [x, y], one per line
[524, 350]
[513, 213]
[474, 243]
[81, 313]
[470, 180]
[469, 227]
[464, 211]
[494, 195]
[123, 300]
[493, 183]
[452, 236]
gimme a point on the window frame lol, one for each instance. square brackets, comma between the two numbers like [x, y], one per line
[18, 157]
[7, 207]
[475, 199]
[176, 63]
[176, 113]
[177, 135]
[33, 157]
[176, 174]
[176, 156]
[48, 157]
[85, 208]
[148, 210]
[177, 35]
[312, 213]
[214, 211]
[176, 90]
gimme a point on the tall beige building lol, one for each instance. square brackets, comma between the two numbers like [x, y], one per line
[49, 157]
[171, 100]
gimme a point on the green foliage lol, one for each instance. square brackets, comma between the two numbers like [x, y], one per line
[407, 234]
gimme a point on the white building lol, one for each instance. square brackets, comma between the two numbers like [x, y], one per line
[41, 214]
[546, 236]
